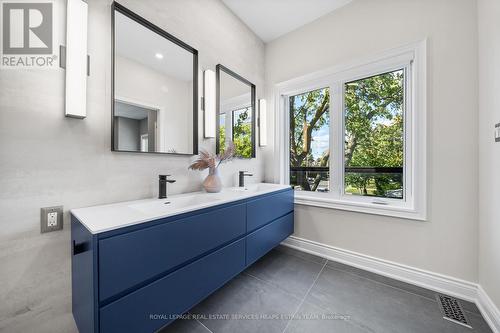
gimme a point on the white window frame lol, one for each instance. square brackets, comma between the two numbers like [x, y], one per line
[411, 58]
[228, 107]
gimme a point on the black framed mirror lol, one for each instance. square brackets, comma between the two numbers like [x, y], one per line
[235, 120]
[154, 88]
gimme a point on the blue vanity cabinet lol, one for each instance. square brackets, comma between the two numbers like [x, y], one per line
[139, 278]
[83, 277]
[269, 221]
[266, 238]
[129, 259]
[265, 209]
[174, 294]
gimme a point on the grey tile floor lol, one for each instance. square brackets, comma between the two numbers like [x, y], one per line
[291, 291]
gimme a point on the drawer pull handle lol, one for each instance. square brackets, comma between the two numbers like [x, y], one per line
[80, 247]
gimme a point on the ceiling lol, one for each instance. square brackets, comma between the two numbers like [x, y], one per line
[270, 19]
[138, 43]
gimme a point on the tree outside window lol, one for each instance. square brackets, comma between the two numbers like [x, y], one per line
[222, 132]
[242, 132]
[309, 140]
[374, 137]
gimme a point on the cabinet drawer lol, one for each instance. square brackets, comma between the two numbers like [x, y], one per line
[266, 238]
[174, 294]
[132, 258]
[266, 209]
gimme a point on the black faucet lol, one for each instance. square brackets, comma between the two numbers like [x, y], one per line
[162, 182]
[242, 178]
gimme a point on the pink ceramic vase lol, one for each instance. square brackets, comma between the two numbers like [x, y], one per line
[212, 184]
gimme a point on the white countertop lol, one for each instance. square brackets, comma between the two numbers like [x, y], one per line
[103, 218]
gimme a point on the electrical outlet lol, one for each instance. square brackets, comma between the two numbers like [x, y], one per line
[51, 218]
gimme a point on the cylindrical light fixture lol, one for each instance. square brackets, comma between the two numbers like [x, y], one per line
[209, 103]
[262, 123]
[76, 59]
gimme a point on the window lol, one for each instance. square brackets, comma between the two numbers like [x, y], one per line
[374, 135]
[355, 136]
[222, 132]
[310, 140]
[242, 131]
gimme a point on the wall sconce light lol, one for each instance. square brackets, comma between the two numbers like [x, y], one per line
[209, 103]
[74, 58]
[262, 123]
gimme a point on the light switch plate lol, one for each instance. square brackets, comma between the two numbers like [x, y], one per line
[497, 132]
[51, 218]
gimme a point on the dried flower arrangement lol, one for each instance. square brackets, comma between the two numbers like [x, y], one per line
[205, 160]
[211, 161]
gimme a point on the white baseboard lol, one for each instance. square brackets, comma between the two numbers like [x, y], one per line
[488, 309]
[437, 282]
[440, 283]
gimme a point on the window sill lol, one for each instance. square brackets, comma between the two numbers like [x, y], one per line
[323, 201]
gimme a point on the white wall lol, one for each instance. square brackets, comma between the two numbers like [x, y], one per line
[489, 151]
[47, 159]
[447, 242]
[173, 98]
[128, 132]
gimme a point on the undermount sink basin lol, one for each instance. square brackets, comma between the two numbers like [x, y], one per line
[199, 199]
[174, 203]
[108, 217]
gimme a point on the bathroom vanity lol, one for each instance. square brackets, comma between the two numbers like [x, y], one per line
[137, 265]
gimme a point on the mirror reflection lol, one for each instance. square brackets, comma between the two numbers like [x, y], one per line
[236, 112]
[154, 89]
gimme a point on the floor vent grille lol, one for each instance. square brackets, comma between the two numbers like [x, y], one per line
[452, 310]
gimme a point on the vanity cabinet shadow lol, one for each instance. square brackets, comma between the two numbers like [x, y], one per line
[154, 88]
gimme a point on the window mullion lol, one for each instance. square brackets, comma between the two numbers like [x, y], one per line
[408, 130]
[285, 143]
[336, 140]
